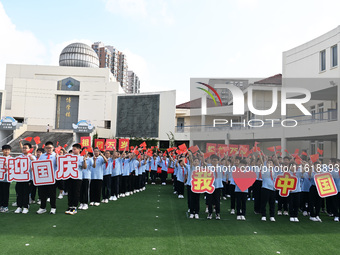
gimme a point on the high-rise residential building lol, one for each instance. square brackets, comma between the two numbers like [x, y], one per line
[110, 57]
[134, 83]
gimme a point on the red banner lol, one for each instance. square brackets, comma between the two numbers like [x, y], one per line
[123, 144]
[233, 149]
[110, 144]
[85, 141]
[99, 143]
[211, 147]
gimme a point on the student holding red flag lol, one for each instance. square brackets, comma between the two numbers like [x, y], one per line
[116, 176]
[153, 166]
[107, 172]
[164, 162]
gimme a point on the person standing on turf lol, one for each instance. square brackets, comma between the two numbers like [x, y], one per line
[5, 184]
[97, 176]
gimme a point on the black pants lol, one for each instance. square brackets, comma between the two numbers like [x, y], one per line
[214, 199]
[294, 201]
[121, 185]
[267, 196]
[175, 183]
[282, 203]
[305, 201]
[153, 175]
[23, 190]
[115, 185]
[47, 191]
[141, 181]
[4, 193]
[130, 182]
[33, 190]
[232, 196]
[241, 200]
[73, 187]
[180, 188]
[136, 182]
[106, 190]
[314, 201]
[164, 175]
[189, 196]
[224, 189]
[84, 191]
[257, 195]
[60, 184]
[146, 176]
[125, 184]
[95, 190]
[194, 201]
[336, 204]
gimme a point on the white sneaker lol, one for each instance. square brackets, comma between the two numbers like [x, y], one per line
[111, 198]
[114, 198]
[264, 219]
[53, 211]
[232, 211]
[60, 196]
[103, 200]
[97, 204]
[106, 201]
[143, 188]
[39, 202]
[14, 204]
[336, 219]
[313, 219]
[127, 194]
[163, 183]
[224, 198]
[122, 195]
[25, 211]
[18, 210]
[41, 211]
[153, 183]
[305, 213]
[175, 192]
[318, 219]
[180, 196]
[296, 219]
[206, 210]
[191, 216]
[285, 213]
[131, 193]
[243, 218]
[279, 213]
[197, 216]
[80, 207]
[4, 209]
[85, 206]
[92, 204]
[291, 219]
[48, 200]
[272, 219]
[239, 217]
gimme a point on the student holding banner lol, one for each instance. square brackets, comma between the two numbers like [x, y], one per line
[5, 184]
[193, 198]
[22, 187]
[214, 198]
[48, 191]
[314, 198]
[97, 177]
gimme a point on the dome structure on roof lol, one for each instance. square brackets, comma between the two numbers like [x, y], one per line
[80, 55]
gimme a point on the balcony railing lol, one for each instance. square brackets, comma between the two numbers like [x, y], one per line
[327, 116]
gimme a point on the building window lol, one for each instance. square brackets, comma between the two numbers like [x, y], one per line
[312, 148]
[320, 111]
[323, 60]
[334, 57]
[107, 124]
[312, 110]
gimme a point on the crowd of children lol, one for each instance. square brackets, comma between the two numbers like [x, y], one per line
[110, 175]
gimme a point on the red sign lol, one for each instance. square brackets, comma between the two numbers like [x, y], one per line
[67, 167]
[202, 180]
[110, 144]
[123, 144]
[100, 143]
[233, 149]
[325, 185]
[285, 183]
[211, 147]
[243, 149]
[42, 171]
[85, 141]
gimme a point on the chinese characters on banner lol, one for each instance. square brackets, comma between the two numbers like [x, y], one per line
[85, 141]
[67, 167]
[233, 149]
[202, 181]
[285, 183]
[325, 185]
[110, 144]
[99, 143]
[68, 107]
[3, 168]
[18, 169]
[42, 172]
[211, 147]
[123, 144]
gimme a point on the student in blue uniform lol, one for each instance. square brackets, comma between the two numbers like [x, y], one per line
[294, 195]
[336, 176]
[257, 185]
[164, 164]
[73, 185]
[314, 198]
[97, 176]
[85, 184]
[153, 166]
[214, 198]
[194, 206]
[107, 171]
[5, 184]
[241, 196]
[182, 172]
[48, 191]
[116, 176]
[306, 183]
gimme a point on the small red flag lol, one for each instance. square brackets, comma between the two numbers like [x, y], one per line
[304, 153]
[278, 147]
[193, 149]
[271, 149]
[65, 145]
[28, 139]
[31, 150]
[43, 146]
[37, 140]
[57, 143]
[143, 144]
[182, 147]
[319, 151]
[83, 152]
[314, 157]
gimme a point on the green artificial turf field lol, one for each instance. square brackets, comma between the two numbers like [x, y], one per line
[155, 222]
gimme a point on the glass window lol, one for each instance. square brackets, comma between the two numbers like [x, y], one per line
[334, 57]
[323, 60]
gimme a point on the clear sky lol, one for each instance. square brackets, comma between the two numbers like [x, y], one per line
[166, 41]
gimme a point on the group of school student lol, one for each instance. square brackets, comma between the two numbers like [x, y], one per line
[110, 175]
[304, 199]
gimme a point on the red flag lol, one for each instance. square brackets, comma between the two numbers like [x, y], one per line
[208, 154]
[211, 147]
[37, 140]
[57, 150]
[256, 143]
[296, 151]
[183, 147]
[136, 152]
[314, 157]
[319, 151]
[89, 149]
[304, 153]
[31, 150]
[272, 149]
[57, 143]
[143, 144]
[193, 149]
[65, 145]
[43, 146]
[170, 149]
[298, 160]
[243, 149]
[110, 144]
[287, 151]
[28, 139]
[83, 152]
[278, 148]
